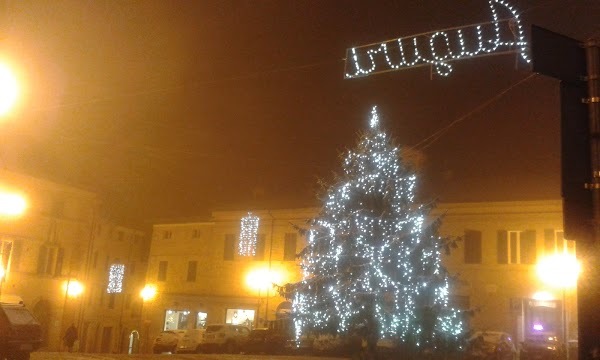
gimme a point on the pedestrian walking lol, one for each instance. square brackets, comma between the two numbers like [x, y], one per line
[70, 337]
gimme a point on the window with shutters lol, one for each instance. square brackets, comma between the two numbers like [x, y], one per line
[516, 247]
[472, 247]
[554, 243]
[289, 247]
[229, 248]
[50, 260]
[167, 234]
[162, 271]
[260, 247]
[196, 233]
[192, 270]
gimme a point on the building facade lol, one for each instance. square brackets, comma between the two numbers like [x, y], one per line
[202, 279]
[495, 263]
[56, 256]
[64, 239]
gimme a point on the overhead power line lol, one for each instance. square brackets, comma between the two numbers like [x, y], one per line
[428, 141]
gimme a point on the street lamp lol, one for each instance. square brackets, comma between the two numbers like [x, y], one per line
[560, 271]
[9, 89]
[262, 279]
[148, 292]
[12, 204]
[73, 288]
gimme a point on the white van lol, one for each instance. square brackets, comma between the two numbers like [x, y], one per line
[191, 341]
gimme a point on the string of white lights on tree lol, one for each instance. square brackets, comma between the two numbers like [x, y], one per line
[439, 47]
[116, 275]
[248, 235]
[371, 262]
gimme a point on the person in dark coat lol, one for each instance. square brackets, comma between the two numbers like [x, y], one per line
[70, 337]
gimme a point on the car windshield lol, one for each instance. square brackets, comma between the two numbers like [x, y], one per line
[492, 338]
[213, 328]
[19, 316]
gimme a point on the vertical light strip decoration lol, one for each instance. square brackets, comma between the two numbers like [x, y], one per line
[116, 274]
[248, 235]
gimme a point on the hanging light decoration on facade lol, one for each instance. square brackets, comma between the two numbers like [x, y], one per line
[116, 275]
[248, 235]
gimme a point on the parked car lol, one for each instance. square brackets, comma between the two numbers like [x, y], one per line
[226, 338]
[491, 345]
[191, 341]
[167, 341]
[302, 346]
[541, 347]
[20, 332]
[265, 341]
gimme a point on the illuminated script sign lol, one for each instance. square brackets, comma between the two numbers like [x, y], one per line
[438, 48]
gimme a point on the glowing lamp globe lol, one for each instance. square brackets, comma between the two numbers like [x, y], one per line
[559, 270]
[12, 204]
[9, 89]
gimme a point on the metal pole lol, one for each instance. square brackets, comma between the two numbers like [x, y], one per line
[592, 48]
[270, 255]
[588, 288]
[565, 324]
[258, 310]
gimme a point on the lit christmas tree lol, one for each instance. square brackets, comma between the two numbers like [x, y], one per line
[373, 259]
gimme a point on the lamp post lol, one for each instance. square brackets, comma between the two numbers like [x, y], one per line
[560, 271]
[257, 280]
[148, 293]
[72, 289]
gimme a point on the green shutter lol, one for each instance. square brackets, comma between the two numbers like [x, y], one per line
[528, 248]
[162, 270]
[549, 243]
[472, 247]
[229, 248]
[289, 249]
[60, 255]
[192, 271]
[260, 247]
[502, 247]
[42, 258]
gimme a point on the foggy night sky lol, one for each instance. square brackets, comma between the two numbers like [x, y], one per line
[176, 108]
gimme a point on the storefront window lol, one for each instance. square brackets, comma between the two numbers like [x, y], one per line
[176, 319]
[201, 320]
[240, 317]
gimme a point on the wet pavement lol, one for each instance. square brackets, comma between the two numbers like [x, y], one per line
[80, 356]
